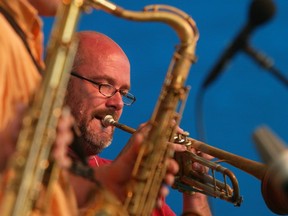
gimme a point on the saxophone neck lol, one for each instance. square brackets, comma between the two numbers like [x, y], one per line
[181, 22]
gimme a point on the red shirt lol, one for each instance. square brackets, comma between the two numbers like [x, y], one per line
[165, 210]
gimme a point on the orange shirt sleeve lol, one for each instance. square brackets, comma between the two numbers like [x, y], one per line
[18, 75]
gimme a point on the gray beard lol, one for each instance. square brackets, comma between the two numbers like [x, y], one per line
[94, 144]
[91, 148]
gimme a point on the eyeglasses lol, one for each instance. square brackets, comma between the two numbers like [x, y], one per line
[108, 90]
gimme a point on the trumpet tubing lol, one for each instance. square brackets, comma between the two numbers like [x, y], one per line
[251, 167]
[189, 181]
[272, 177]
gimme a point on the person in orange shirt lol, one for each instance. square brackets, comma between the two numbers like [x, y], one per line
[21, 70]
[19, 76]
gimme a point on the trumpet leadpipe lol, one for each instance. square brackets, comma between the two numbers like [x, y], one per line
[254, 168]
[251, 167]
[108, 120]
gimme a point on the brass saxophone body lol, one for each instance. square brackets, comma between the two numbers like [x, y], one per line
[150, 166]
[31, 168]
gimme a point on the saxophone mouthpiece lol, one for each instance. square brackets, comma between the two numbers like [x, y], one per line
[108, 120]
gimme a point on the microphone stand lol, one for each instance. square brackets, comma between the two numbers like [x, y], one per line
[265, 62]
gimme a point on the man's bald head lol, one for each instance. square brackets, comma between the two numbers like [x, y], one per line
[99, 44]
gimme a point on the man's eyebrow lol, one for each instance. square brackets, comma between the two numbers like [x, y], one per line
[109, 80]
[102, 77]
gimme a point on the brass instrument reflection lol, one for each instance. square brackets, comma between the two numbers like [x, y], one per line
[189, 181]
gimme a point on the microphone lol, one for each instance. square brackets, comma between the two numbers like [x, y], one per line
[274, 153]
[260, 12]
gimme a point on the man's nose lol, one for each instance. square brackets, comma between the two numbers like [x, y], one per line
[115, 101]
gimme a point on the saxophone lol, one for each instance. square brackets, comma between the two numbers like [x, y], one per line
[150, 166]
[31, 168]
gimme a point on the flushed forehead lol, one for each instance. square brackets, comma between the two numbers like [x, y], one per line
[99, 48]
[100, 54]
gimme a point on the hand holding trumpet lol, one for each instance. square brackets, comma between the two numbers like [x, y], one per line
[193, 202]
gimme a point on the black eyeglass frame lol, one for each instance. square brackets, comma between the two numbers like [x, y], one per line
[124, 94]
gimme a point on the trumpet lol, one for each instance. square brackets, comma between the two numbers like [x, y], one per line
[189, 181]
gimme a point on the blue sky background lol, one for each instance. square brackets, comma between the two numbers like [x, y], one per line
[244, 97]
